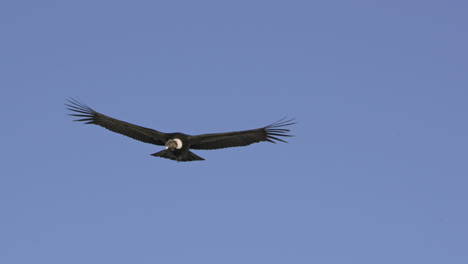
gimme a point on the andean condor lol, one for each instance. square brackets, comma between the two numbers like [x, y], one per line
[178, 145]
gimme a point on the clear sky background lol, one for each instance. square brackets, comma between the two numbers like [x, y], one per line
[377, 171]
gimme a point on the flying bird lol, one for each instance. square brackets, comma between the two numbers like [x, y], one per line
[178, 145]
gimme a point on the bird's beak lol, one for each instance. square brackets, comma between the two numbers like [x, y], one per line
[171, 144]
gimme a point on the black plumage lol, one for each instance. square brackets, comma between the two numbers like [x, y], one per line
[178, 145]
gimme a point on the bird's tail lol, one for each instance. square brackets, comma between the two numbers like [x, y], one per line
[189, 156]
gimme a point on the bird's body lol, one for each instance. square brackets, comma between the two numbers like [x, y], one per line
[177, 148]
[178, 145]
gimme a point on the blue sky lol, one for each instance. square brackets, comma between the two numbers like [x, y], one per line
[376, 172]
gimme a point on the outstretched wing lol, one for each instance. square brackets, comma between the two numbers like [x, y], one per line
[243, 138]
[89, 116]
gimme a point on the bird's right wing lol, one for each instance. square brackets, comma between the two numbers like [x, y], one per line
[130, 130]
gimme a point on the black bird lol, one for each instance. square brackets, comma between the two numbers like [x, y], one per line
[178, 145]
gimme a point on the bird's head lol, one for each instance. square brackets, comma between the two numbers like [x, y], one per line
[173, 144]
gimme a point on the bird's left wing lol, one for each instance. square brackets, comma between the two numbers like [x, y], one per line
[89, 116]
[269, 133]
